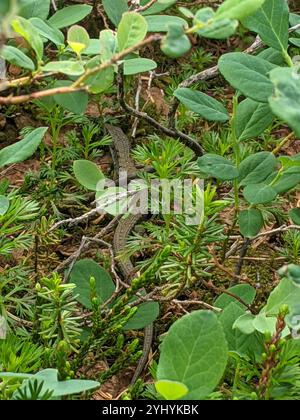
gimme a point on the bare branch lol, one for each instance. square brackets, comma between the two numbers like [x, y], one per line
[281, 229]
[79, 83]
[146, 7]
[187, 140]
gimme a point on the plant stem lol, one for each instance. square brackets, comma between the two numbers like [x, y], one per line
[287, 58]
[283, 143]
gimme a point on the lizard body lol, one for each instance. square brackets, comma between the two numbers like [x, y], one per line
[124, 163]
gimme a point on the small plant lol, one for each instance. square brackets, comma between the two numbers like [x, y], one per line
[204, 338]
[208, 93]
[56, 312]
[291, 248]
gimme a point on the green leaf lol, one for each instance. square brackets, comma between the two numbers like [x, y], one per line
[34, 8]
[70, 15]
[289, 180]
[158, 7]
[146, 314]
[49, 380]
[75, 102]
[259, 193]
[244, 291]
[194, 353]
[202, 104]
[138, 65]
[71, 68]
[256, 168]
[81, 274]
[171, 390]
[286, 293]
[285, 103]
[24, 28]
[88, 174]
[253, 118]
[5, 7]
[238, 9]
[251, 222]
[227, 317]
[248, 74]
[17, 57]
[102, 80]
[217, 167]
[271, 23]
[94, 48]
[211, 27]
[115, 9]
[78, 39]
[186, 12]
[131, 30]
[4, 205]
[295, 41]
[176, 43]
[294, 20]
[48, 32]
[161, 23]
[273, 56]
[219, 29]
[292, 272]
[295, 216]
[288, 162]
[23, 149]
[108, 45]
[266, 324]
[245, 324]
[238, 342]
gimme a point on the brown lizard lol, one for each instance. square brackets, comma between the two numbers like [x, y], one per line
[124, 163]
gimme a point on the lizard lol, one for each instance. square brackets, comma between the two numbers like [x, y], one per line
[124, 163]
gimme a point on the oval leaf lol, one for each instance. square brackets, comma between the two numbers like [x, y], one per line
[217, 167]
[78, 39]
[17, 57]
[248, 74]
[71, 68]
[24, 28]
[295, 216]
[253, 118]
[87, 174]
[259, 193]
[238, 9]
[251, 221]
[23, 149]
[115, 9]
[171, 390]
[194, 353]
[285, 103]
[176, 43]
[202, 104]
[161, 23]
[146, 314]
[138, 65]
[48, 32]
[76, 102]
[246, 292]
[70, 15]
[81, 274]
[256, 168]
[271, 23]
[131, 30]
[34, 8]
